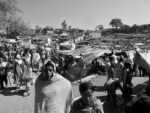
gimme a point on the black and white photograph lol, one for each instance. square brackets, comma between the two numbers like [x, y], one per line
[74, 56]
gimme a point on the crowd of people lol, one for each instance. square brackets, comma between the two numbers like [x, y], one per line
[53, 90]
[120, 70]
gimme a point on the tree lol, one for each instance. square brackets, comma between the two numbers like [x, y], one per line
[125, 28]
[10, 22]
[99, 27]
[8, 9]
[18, 27]
[134, 28]
[69, 27]
[116, 23]
[64, 25]
[38, 29]
[143, 28]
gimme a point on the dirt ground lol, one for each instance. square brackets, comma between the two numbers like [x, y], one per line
[19, 102]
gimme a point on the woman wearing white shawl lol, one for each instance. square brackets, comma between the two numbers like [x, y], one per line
[53, 93]
[35, 59]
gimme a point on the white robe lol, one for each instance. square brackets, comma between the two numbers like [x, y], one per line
[53, 96]
[35, 59]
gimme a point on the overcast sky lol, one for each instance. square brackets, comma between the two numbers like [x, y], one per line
[85, 14]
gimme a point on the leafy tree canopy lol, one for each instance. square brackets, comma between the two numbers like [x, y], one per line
[116, 23]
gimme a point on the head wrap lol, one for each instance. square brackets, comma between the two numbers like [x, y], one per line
[50, 63]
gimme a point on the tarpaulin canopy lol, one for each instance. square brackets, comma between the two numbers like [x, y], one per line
[143, 59]
[29, 46]
[88, 53]
[67, 46]
[95, 54]
[12, 41]
[75, 52]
